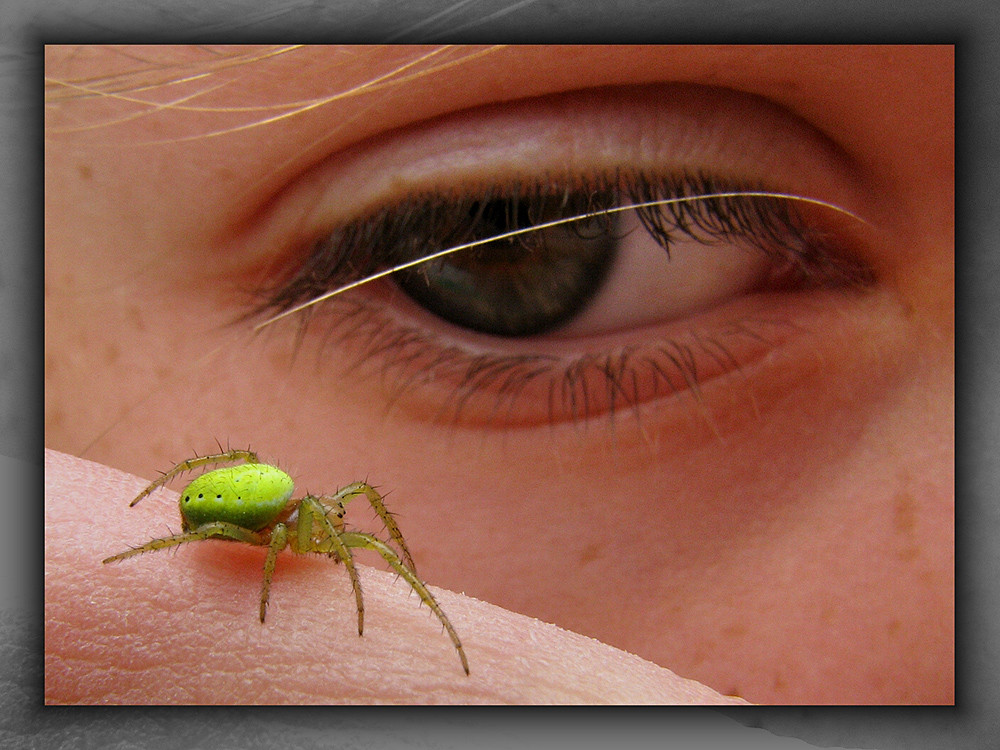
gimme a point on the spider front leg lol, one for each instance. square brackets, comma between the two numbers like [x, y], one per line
[367, 541]
[234, 454]
[279, 540]
[312, 517]
[351, 491]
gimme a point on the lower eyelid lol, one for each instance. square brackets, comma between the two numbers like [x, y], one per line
[468, 380]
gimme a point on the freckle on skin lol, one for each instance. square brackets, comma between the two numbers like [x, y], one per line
[905, 522]
[904, 509]
[278, 359]
[55, 419]
[136, 316]
[734, 631]
[590, 553]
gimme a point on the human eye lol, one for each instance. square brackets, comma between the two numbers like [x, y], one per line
[540, 317]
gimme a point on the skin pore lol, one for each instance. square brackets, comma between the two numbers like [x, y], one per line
[783, 531]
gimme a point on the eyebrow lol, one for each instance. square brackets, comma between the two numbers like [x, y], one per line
[139, 61]
[135, 70]
[150, 85]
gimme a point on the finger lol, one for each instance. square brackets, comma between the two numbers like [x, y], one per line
[182, 627]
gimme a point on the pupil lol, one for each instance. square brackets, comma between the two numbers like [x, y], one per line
[519, 286]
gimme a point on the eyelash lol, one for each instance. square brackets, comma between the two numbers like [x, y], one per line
[418, 225]
[399, 233]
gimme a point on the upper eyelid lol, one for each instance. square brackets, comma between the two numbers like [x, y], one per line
[682, 128]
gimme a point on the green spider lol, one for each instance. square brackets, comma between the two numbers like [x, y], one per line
[252, 503]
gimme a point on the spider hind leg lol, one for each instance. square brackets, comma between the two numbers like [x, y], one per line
[234, 454]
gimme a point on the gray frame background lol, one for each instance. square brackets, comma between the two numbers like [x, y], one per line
[25, 25]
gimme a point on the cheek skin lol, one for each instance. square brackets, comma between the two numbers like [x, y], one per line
[698, 548]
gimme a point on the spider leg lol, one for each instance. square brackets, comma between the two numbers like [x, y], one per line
[348, 493]
[312, 511]
[279, 540]
[367, 541]
[235, 454]
[217, 529]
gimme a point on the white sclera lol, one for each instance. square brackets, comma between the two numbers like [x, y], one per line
[646, 286]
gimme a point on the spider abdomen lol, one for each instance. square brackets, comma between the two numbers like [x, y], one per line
[249, 496]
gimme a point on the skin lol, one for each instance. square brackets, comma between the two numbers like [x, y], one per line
[789, 537]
